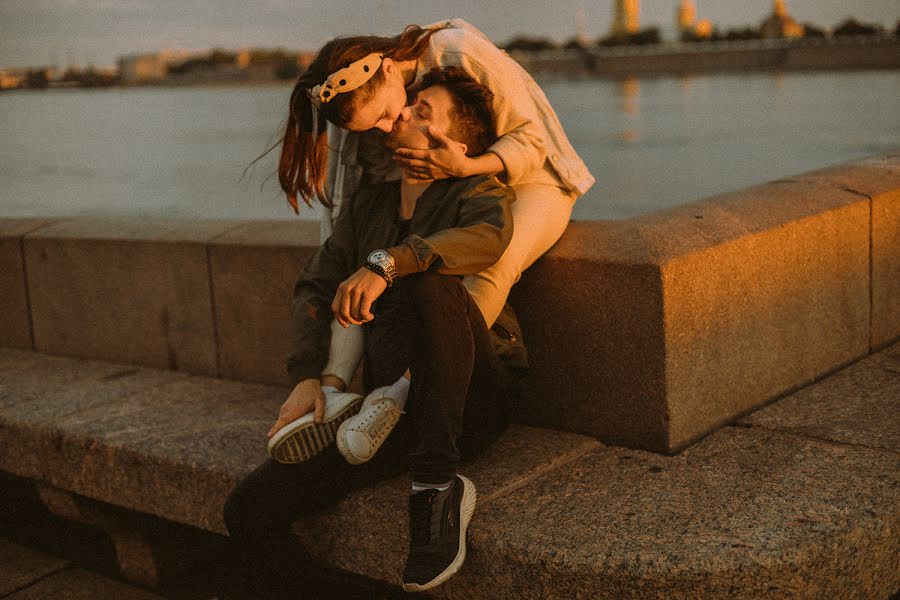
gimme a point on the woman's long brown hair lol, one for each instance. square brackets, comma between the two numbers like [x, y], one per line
[302, 169]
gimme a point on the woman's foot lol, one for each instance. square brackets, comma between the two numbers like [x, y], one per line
[360, 436]
[303, 438]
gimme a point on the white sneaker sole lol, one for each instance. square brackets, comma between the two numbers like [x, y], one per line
[466, 510]
[303, 438]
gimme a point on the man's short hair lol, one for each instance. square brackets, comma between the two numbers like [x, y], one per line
[473, 119]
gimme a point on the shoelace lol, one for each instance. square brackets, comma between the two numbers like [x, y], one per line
[378, 420]
[420, 521]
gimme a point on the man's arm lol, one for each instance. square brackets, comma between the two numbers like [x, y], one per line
[476, 240]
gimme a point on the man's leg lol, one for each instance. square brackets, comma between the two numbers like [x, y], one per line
[271, 560]
[452, 361]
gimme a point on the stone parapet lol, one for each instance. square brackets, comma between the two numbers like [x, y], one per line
[649, 332]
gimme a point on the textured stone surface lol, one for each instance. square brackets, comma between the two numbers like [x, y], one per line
[254, 268]
[164, 443]
[15, 326]
[98, 286]
[857, 405]
[699, 312]
[745, 513]
[368, 532]
[879, 179]
[77, 584]
[885, 268]
[21, 566]
[748, 320]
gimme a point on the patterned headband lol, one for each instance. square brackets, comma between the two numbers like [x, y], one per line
[347, 79]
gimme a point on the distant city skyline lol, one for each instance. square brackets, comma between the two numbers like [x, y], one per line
[63, 32]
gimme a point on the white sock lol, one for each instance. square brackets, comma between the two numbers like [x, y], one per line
[398, 391]
[418, 487]
[329, 389]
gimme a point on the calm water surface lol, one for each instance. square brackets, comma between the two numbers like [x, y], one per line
[651, 143]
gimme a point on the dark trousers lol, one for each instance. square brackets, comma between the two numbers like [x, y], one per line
[459, 402]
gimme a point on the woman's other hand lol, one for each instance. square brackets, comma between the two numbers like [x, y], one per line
[305, 397]
[353, 301]
[447, 159]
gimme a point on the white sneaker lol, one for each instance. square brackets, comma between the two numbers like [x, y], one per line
[360, 436]
[303, 438]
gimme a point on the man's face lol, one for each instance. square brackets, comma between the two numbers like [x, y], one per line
[433, 107]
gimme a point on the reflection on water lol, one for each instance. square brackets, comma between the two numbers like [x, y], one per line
[651, 143]
[629, 91]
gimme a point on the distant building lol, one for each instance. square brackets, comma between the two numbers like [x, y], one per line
[149, 68]
[142, 68]
[627, 19]
[12, 78]
[685, 16]
[780, 24]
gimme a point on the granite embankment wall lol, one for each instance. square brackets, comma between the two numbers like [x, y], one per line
[737, 56]
[648, 333]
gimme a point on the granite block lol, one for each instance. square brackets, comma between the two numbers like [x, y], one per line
[686, 318]
[173, 449]
[254, 268]
[608, 379]
[78, 584]
[368, 532]
[751, 319]
[15, 326]
[23, 566]
[877, 178]
[885, 268]
[744, 513]
[857, 405]
[128, 290]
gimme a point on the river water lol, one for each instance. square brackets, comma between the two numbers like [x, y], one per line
[651, 143]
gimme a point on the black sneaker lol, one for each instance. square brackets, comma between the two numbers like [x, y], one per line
[437, 534]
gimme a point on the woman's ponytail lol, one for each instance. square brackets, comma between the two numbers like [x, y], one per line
[302, 168]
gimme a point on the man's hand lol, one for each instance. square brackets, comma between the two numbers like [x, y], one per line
[355, 295]
[306, 396]
[448, 159]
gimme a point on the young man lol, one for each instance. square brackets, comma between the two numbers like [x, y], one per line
[394, 264]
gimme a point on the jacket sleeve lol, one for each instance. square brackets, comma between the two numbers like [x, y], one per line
[477, 240]
[311, 303]
[521, 144]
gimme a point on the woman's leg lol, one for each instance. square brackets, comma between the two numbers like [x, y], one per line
[540, 215]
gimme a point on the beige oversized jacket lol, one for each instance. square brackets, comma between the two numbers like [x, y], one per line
[530, 135]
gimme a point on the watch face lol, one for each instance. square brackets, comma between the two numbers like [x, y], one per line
[377, 256]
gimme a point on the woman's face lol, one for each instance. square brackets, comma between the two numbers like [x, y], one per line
[384, 106]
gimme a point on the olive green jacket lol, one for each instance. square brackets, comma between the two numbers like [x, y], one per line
[460, 226]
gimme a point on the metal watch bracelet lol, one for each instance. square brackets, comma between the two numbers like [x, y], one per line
[379, 271]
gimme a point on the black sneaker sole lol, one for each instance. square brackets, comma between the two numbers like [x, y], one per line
[466, 510]
[311, 438]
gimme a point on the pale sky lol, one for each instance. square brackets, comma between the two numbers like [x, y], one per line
[61, 32]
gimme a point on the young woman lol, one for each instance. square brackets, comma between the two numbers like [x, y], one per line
[532, 153]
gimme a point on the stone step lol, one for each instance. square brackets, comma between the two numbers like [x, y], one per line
[764, 508]
[31, 575]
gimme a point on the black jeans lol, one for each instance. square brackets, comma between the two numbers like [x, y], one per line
[459, 402]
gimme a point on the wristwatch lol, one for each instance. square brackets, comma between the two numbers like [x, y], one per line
[381, 262]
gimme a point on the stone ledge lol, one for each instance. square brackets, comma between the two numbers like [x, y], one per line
[174, 445]
[746, 512]
[742, 514]
[761, 290]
